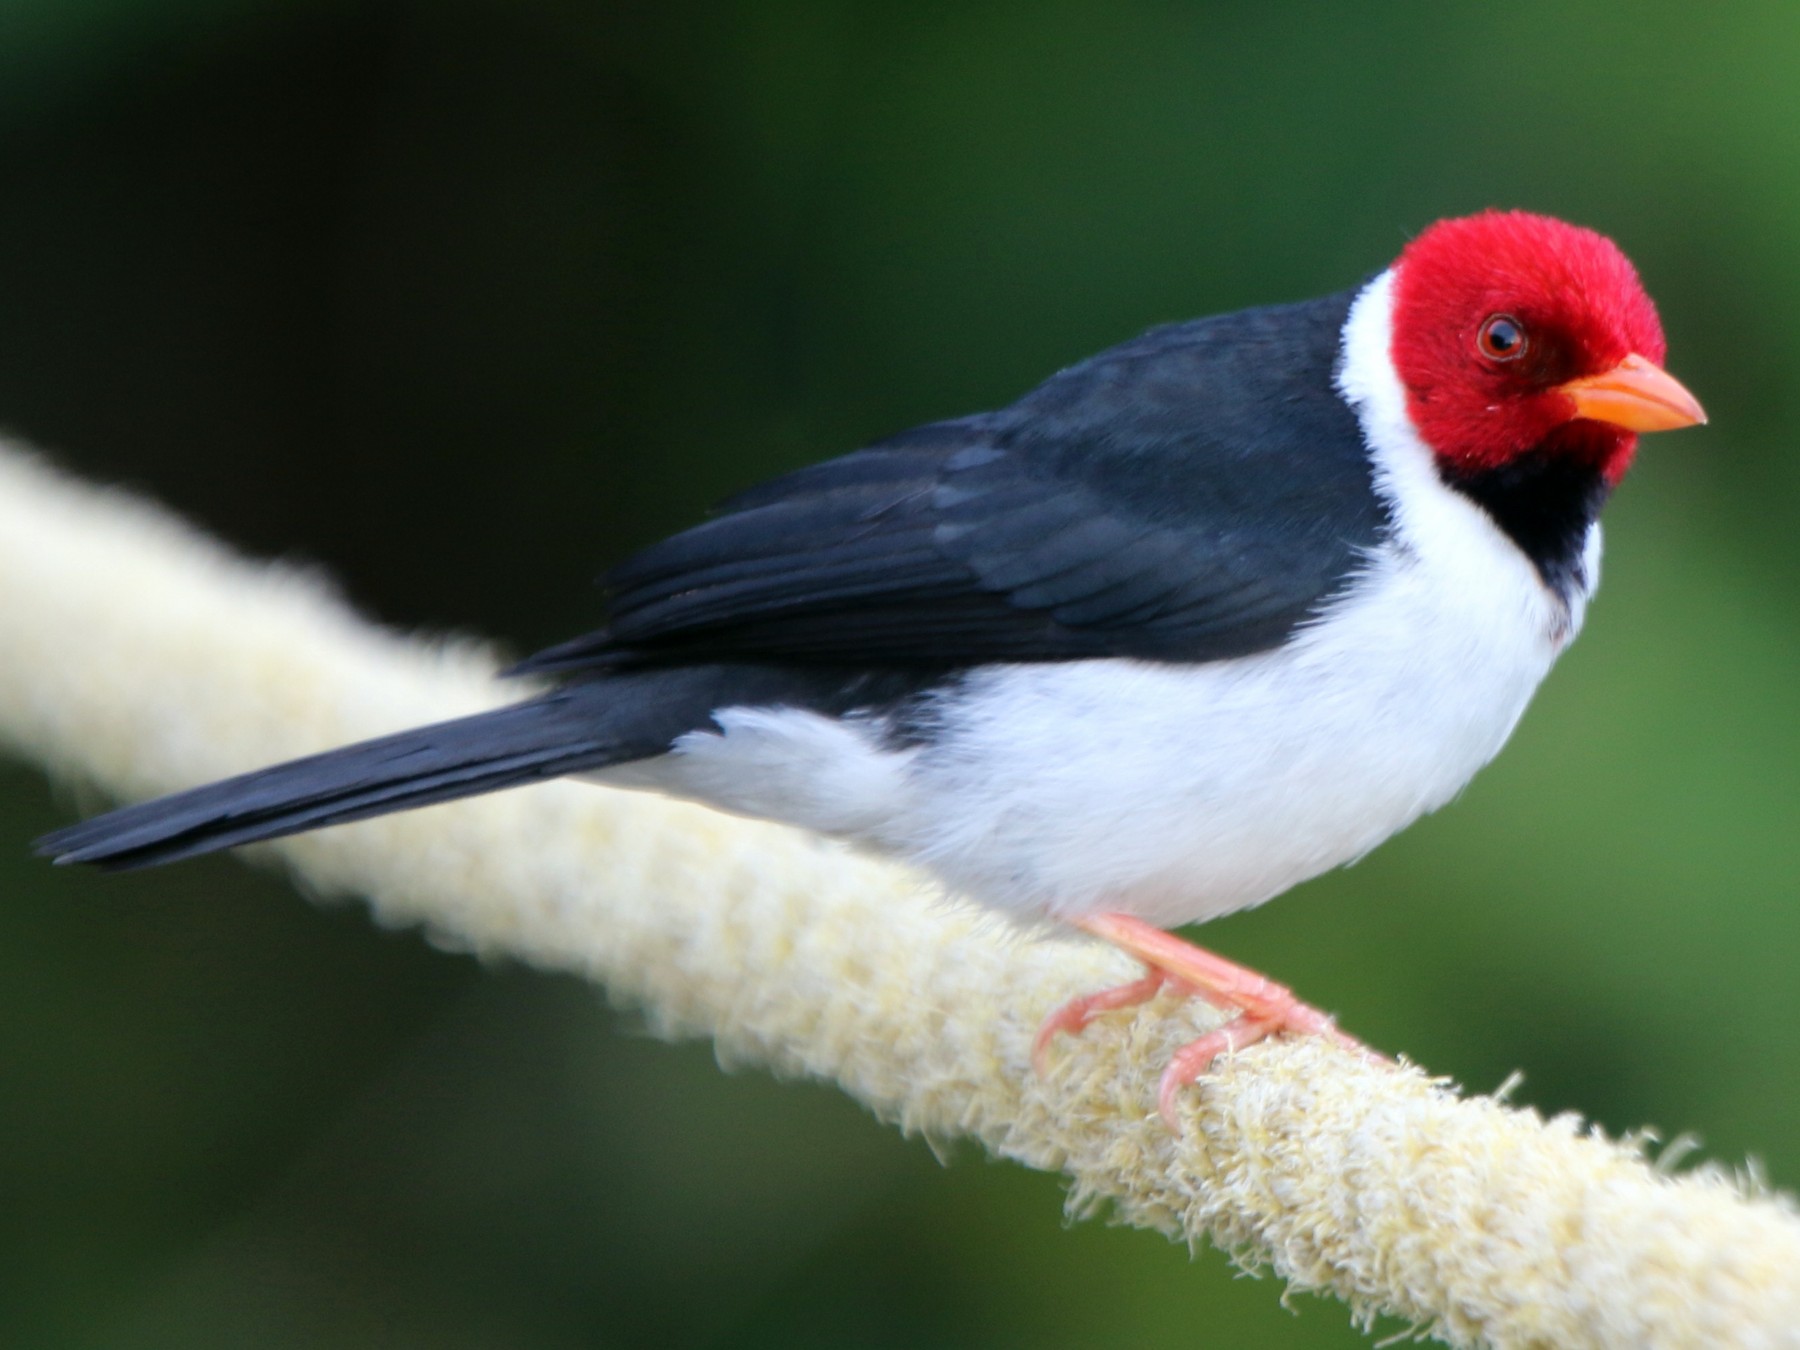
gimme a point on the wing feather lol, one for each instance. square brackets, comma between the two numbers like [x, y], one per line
[1142, 504]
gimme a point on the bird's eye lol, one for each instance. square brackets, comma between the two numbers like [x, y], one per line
[1502, 338]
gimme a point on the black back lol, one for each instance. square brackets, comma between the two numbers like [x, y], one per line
[1193, 494]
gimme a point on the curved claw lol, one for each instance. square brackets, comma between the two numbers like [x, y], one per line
[1074, 1015]
[1195, 1058]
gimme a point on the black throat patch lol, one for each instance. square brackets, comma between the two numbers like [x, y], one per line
[1546, 503]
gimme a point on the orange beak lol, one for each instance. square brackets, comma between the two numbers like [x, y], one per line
[1636, 394]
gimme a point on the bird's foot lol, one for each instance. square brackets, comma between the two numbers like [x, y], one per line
[1263, 1007]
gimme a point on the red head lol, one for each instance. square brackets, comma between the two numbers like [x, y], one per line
[1516, 333]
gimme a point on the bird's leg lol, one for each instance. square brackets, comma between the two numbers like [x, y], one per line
[1263, 1007]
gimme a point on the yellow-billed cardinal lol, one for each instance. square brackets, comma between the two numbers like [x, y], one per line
[1194, 620]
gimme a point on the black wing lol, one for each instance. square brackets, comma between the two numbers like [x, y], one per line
[1192, 495]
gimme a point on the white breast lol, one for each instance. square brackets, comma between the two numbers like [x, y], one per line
[1178, 793]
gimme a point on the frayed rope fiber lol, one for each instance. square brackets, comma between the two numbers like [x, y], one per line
[139, 656]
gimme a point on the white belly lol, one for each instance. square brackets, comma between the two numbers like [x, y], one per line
[1177, 794]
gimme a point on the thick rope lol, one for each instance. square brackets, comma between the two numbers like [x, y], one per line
[138, 656]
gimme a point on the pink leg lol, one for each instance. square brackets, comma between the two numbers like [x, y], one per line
[1264, 1008]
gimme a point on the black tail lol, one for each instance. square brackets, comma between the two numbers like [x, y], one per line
[576, 729]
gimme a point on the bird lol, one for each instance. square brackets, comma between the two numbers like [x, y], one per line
[1196, 619]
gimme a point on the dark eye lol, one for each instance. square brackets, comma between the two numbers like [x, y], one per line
[1502, 338]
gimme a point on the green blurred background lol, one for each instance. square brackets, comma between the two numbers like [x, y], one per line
[464, 300]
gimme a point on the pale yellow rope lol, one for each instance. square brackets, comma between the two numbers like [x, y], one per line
[138, 656]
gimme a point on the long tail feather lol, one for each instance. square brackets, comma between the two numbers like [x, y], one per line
[573, 730]
[608, 718]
